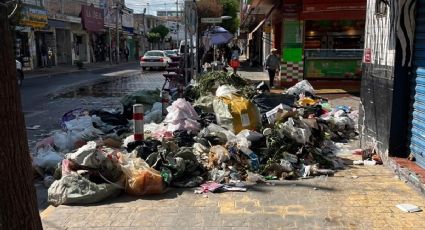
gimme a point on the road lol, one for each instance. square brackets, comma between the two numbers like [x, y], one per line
[46, 99]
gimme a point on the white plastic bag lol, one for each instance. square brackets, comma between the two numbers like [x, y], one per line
[250, 135]
[271, 115]
[87, 155]
[225, 91]
[301, 87]
[300, 135]
[79, 123]
[47, 157]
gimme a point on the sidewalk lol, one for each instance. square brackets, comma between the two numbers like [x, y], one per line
[69, 69]
[359, 197]
[257, 75]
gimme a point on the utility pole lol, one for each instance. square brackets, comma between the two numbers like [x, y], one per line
[177, 20]
[109, 32]
[117, 45]
[185, 44]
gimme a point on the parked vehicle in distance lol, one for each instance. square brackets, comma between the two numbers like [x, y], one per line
[171, 53]
[19, 72]
[155, 59]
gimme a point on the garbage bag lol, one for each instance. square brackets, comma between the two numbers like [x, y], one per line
[140, 178]
[79, 123]
[65, 141]
[47, 157]
[71, 115]
[299, 131]
[225, 91]
[250, 135]
[236, 113]
[218, 154]
[268, 101]
[87, 155]
[215, 129]
[145, 97]
[205, 103]
[180, 110]
[75, 189]
[301, 87]
[277, 113]
[114, 119]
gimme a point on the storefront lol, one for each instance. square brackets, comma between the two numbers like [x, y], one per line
[63, 41]
[92, 20]
[80, 44]
[23, 36]
[127, 41]
[333, 39]
[32, 24]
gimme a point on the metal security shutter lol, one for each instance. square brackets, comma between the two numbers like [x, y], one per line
[417, 145]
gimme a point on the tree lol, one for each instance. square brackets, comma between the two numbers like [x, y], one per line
[153, 38]
[162, 32]
[208, 9]
[230, 8]
[17, 200]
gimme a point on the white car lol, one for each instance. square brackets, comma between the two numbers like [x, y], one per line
[155, 59]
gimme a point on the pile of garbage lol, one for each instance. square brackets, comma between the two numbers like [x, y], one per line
[218, 142]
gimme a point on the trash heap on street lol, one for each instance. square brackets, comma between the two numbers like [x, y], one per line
[224, 134]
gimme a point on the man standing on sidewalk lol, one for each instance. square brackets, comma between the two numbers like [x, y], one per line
[272, 65]
[44, 53]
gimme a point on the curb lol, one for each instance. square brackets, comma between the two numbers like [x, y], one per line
[32, 76]
[46, 212]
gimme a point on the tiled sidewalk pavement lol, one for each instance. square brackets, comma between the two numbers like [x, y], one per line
[339, 202]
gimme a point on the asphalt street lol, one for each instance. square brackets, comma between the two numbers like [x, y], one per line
[46, 99]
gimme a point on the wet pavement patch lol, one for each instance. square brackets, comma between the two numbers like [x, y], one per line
[112, 86]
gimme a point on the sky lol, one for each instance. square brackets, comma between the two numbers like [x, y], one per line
[153, 5]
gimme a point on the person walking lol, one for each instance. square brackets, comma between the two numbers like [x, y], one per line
[44, 53]
[126, 53]
[272, 65]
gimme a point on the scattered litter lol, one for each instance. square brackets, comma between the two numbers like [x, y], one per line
[223, 134]
[354, 177]
[408, 208]
[34, 127]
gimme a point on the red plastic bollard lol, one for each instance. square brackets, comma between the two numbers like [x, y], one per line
[138, 122]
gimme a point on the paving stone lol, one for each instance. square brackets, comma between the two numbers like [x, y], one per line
[340, 203]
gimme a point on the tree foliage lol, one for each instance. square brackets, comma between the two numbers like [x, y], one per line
[230, 8]
[153, 37]
[161, 30]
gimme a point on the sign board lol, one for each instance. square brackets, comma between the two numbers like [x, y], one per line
[33, 16]
[211, 20]
[92, 18]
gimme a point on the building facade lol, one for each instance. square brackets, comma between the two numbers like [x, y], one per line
[74, 31]
[320, 41]
[392, 105]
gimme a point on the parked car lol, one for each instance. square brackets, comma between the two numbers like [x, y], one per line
[155, 59]
[19, 72]
[173, 54]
